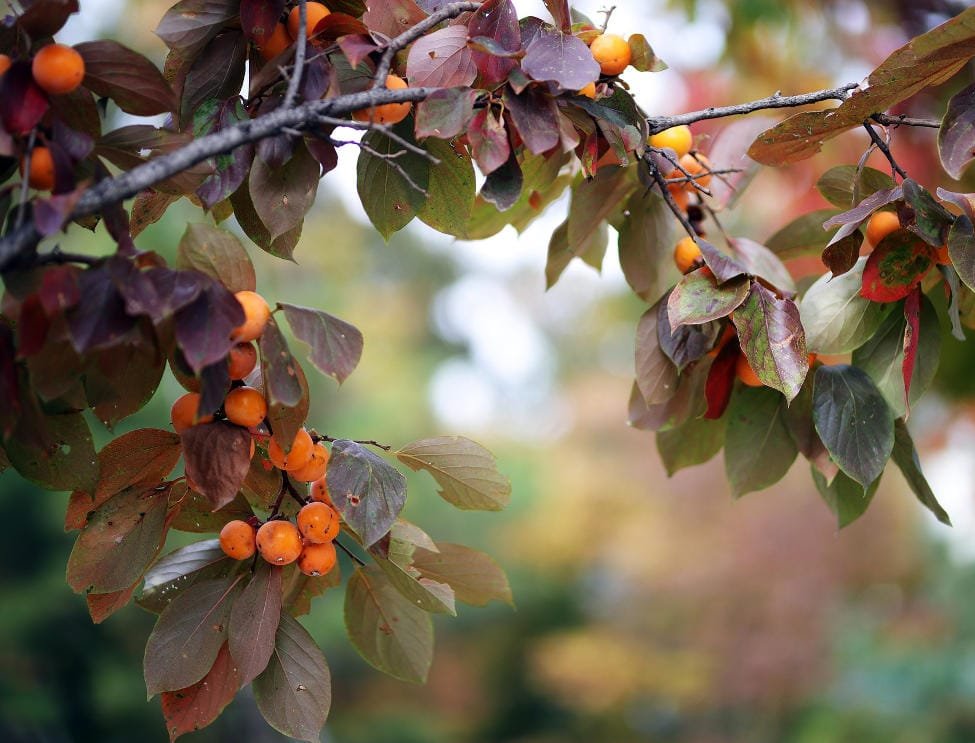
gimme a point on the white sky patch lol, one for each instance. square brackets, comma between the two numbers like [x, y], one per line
[951, 474]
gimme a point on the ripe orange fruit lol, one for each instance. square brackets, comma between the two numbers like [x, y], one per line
[388, 113]
[680, 194]
[185, 412]
[276, 43]
[695, 165]
[245, 406]
[686, 254]
[301, 452]
[880, 225]
[315, 469]
[279, 542]
[729, 333]
[256, 316]
[318, 522]
[941, 256]
[612, 52]
[238, 539]
[314, 11]
[744, 372]
[677, 138]
[58, 68]
[319, 492]
[317, 559]
[589, 91]
[5, 63]
[41, 173]
[241, 360]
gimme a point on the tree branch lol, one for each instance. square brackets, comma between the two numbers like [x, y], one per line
[882, 146]
[301, 44]
[659, 123]
[904, 120]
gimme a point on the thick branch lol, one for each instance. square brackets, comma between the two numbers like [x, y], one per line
[659, 123]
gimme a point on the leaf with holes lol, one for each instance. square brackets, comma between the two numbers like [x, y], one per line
[465, 471]
[367, 492]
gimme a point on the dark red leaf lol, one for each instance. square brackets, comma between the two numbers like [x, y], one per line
[32, 327]
[723, 266]
[217, 73]
[283, 195]
[912, 338]
[535, 116]
[489, 141]
[59, 289]
[101, 320]
[721, 381]
[102, 605]
[231, 169]
[503, 185]
[190, 24]
[446, 113]
[51, 213]
[214, 385]
[686, 344]
[392, 17]
[895, 267]
[43, 18]
[196, 706]
[923, 215]
[442, 59]
[497, 20]
[22, 103]
[254, 621]
[560, 12]
[336, 346]
[217, 459]
[335, 26]
[128, 78]
[356, 48]
[121, 379]
[203, 326]
[841, 256]
[258, 18]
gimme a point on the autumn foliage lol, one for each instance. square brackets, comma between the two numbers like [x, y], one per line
[468, 119]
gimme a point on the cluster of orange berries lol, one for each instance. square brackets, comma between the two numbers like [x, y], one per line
[693, 170]
[57, 69]
[305, 460]
[309, 542]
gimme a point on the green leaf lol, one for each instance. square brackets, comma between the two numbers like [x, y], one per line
[882, 357]
[645, 246]
[758, 450]
[336, 346]
[429, 594]
[835, 317]
[367, 492]
[853, 420]
[451, 191]
[53, 451]
[389, 632]
[216, 253]
[180, 569]
[802, 428]
[465, 471]
[294, 693]
[475, 577]
[120, 540]
[803, 235]
[961, 249]
[924, 215]
[697, 299]
[841, 187]
[772, 338]
[692, 443]
[188, 635]
[845, 497]
[389, 199]
[254, 621]
[905, 457]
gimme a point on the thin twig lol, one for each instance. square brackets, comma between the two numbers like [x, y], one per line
[688, 176]
[299, 65]
[659, 123]
[389, 157]
[58, 256]
[25, 183]
[608, 13]
[382, 129]
[704, 174]
[669, 199]
[298, 497]
[276, 507]
[325, 437]
[903, 120]
[882, 146]
[350, 553]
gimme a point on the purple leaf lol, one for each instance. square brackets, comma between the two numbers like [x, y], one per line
[231, 169]
[100, 320]
[656, 375]
[503, 185]
[442, 60]
[217, 457]
[203, 327]
[961, 249]
[535, 116]
[560, 12]
[367, 491]
[686, 344]
[254, 621]
[956, 138]
[560, 58]
[489, 141]
[128, 78]
[697, 299]
[446, 113]
[724, 267]
[496, 20]
[336, 346]
[22, 103]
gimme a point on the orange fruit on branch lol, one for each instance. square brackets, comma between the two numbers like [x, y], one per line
[58, 68]
[277, 42]
[880, 225]
[687, 254]
[314, 14]
[611, 52]
[297, 457]
[5, 63]
[245, 406]
[694, 165]
[317, 559]
[677, 138]
[238, 539]
[186, 412]
[744, 372]
[241, 360]
[388, 113]
[279, 542]
[319, 492]
[256, 316]
[315, 469]
[41, 174]
[318, 522]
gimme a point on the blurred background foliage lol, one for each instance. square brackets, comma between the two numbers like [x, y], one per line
[649, 609]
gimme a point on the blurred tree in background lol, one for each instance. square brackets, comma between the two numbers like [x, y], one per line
[648, 609]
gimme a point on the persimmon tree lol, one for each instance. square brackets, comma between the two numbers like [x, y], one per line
[730, 354]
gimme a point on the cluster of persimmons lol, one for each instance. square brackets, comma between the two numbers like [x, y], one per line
[280, 542]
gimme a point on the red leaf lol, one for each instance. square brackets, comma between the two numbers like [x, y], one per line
[392, 17]
[254, 622]
[128, 78]
[489, 141]
[59, 289]
[912, 338]
[498, 20]
[22, 103]
[198, 705]
[102, 605]
[46, 17]
[32, 327]
[217, 460]
[535, 116]
[895, 267]
[721, 381]
[258, 18]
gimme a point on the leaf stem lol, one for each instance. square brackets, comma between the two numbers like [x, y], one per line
[351, 554]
